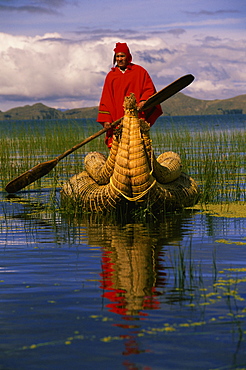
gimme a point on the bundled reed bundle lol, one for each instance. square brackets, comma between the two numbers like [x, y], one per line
[131, 173]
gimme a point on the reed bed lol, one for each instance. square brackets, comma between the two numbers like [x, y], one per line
[216, 159]
[33, 142]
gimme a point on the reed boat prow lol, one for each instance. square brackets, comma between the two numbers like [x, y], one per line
[131, 173]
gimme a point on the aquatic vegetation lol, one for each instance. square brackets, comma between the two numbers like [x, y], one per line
[216, 159]
[226, 289]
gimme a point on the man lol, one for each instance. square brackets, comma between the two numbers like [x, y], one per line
[123, 79]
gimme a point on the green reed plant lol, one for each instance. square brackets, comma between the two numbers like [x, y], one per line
[32, 144]
[215, 159]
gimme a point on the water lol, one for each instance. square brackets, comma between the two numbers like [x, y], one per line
[90, 293]
[217, 123]
[191, 123]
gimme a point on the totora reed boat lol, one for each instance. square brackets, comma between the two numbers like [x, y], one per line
[131, 175]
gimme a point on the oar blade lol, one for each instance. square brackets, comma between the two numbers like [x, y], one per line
[30, 176]
[168, 91]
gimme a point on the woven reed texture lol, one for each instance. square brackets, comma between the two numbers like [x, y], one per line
[131, 172]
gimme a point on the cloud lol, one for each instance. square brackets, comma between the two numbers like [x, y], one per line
[50, 67]
[176, 31]
[88, 33]
[27, 9]
[67, 73]
[213, 13]
[34, 7]
[54, 3]
[221, 22]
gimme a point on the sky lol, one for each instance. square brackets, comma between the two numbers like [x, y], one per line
[58, 52]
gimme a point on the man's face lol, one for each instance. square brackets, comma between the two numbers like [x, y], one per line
[121, 60]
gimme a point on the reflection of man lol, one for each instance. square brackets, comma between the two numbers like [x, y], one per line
[122, 80]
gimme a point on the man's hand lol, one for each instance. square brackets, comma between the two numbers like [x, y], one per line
[106, 125]
[141, 104]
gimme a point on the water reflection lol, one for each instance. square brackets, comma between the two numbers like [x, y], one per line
[117, 285]
[130, 272]
[134, 268]
[133, 274]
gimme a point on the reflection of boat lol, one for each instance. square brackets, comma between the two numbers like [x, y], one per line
[133, 277]
[133, 262]
[130, 272]
[131, 173]
[133, 274]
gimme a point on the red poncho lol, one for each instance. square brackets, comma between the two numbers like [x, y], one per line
[117, 85]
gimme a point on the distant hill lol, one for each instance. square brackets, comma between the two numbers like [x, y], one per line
[82, 113]
[183, 105]
[177, 105]
[36, 111]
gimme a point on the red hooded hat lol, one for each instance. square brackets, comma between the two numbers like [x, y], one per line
[121, 47]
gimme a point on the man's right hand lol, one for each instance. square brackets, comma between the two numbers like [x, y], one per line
[107, 125]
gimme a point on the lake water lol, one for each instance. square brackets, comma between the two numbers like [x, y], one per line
[91, 293]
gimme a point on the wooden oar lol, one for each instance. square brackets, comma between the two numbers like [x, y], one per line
[168, 91]
[42, 169]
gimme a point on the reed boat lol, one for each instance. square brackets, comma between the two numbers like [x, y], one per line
[131, 174]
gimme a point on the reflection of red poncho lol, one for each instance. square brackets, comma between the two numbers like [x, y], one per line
[118, 85]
